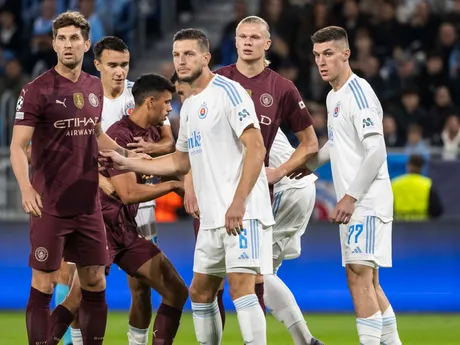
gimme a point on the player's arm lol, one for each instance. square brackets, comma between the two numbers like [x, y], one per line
[131, 192]
[296, 114]
[162, 147]
[22, 136]
[190, 201]
[29, 153]
[319, 159]
[104, 142]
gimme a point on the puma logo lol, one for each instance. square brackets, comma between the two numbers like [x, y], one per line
[61, 102]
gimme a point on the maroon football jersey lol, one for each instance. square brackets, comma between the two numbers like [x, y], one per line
[123, 132]
[64, 166]
[276, 100]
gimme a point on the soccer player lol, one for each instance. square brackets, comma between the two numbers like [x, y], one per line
[293, 206]
[112, 61]
[364, 210]
[60, 112]
[220, 140]
[136, 255]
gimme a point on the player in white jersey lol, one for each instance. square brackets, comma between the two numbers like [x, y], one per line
[357, 152]
[220, 139]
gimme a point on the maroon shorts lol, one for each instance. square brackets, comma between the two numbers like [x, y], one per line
[80, 239]
[196, 226]
[128, 249]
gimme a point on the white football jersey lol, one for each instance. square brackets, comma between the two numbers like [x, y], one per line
[123, 105]
[279, 154]
[211, 124]
[353, 112]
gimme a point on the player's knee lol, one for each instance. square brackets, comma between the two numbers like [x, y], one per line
[44, 282]
[241, 284]
[201, 294]
[92, 278]
[73, 299]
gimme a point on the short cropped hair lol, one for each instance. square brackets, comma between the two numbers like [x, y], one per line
[193, 34]
[417, 161]
[150, 85]
[330, 33]
[72, 18]
[109, 43]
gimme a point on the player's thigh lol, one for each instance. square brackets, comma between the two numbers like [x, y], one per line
[135, 252]
[47, 238]
[87, 246]
[160, 274]
[209, 256]
[251, 251]
[204, 287]
[366, 240]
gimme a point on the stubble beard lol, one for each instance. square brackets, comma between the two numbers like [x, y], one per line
[194, 76]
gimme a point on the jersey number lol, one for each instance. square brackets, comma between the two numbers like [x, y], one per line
[354, 229]
[367, 122]
[243, 114]
[243, 239]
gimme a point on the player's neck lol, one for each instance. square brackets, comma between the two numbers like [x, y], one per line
[139, 119]
[250, 69]
[71, 74]
[201, 82]
[340, 81]
[112, 93]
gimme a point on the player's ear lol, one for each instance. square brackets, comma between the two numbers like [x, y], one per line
[346, 55]
[268, 44]
[87, 45]
[207, 58]
[97, 64]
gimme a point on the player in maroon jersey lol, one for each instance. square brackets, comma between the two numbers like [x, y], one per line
[277, 102]
[60, 112]
[136, 255]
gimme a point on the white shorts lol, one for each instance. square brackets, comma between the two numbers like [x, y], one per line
[218, 253]
[366, 240]
[146, 222]
[292, 209]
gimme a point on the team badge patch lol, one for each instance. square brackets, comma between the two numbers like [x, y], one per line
[78, 100]
[301, 104]
[249, 92]
[19, 103]
[336, 110]
[203, 111]
[41, 254]
[93, 100]
[266, 100]
[129, 107]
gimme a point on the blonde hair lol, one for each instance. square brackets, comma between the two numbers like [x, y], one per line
[256, 20]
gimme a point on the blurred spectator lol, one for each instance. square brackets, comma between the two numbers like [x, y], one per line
[391, 134]
[415, 143]
[43, 24]
[431, 77]
[387, 31]
[10, 33]
[437, 115]
[421, 33]
[226, 52]
[411, 111]
[451, 138]
[371, 72]
[14, 79]
[449, 48]
[415, 197]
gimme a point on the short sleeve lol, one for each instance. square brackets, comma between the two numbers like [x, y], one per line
[242, 112]
[182, 143]
[294, 111]
[28, 107]
[122, 138]
[365, 110]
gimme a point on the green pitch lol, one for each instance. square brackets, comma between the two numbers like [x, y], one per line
[332, 329]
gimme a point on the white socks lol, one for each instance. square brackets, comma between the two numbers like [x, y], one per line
[251, 319]
[207, 322]
[282, 305]
[137, 336]
[77, 338]
[390, 334]
[370, 329]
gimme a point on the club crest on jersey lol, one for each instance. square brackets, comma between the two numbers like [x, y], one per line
[129, 107]
[78, 100]
[93, 100]
[249, 92]
[203, 111]
[336, 109]
[266, 100]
